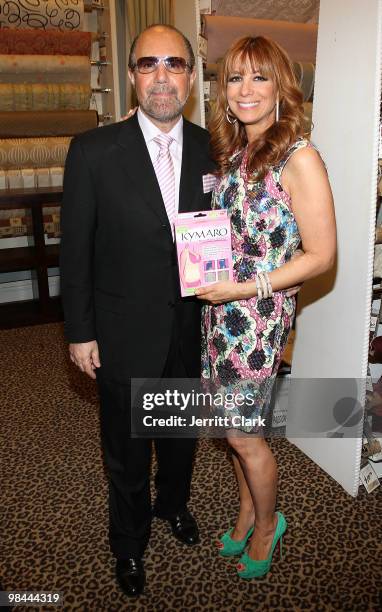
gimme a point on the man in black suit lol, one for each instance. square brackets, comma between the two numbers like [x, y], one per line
[124, 317]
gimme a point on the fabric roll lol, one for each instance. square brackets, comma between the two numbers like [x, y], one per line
[41, 97]
[28, 178]
[41, 42]
[2, 179]
[17, 153]
[15, 223]
[49, 123]
[15, 179]
[51, 216]
[18, 222]
[44, 69]
[42, 14]
[305, 72]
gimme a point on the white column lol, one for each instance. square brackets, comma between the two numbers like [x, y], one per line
[333, 325]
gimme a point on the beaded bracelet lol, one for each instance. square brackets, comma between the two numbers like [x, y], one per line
[269, 284]
[263, 286]
[258, 287]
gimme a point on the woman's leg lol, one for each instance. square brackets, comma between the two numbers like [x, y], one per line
[246, 516]
[260, 472]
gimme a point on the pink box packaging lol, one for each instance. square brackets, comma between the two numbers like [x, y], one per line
[203, 243]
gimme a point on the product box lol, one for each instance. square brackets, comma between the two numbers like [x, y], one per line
[203, 243]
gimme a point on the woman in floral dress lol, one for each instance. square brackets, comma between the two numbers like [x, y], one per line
[274, 186]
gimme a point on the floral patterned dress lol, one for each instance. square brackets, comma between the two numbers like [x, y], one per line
[243, 341]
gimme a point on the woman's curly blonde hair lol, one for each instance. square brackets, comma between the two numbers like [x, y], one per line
[268, 58]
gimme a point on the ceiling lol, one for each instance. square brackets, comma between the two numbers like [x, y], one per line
[305, 11]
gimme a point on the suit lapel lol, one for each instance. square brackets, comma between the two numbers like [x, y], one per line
[138, 165]
[140, 169]
[186, 187]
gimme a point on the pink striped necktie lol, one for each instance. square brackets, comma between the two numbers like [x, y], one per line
[164, 170]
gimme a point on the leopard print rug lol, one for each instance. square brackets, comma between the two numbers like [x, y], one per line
[54, 510]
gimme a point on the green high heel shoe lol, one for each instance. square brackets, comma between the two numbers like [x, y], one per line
[229, 547]
[250, 568]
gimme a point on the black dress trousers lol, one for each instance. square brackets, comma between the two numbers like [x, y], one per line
[128, 461]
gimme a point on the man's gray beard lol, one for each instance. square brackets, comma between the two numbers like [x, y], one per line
[166, 114]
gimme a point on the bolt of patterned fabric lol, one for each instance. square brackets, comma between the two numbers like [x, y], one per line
[44, 96]
[164, 170]
[21, 124]
[42, 14]
[44, 69]
[16, 153]
[45, 42]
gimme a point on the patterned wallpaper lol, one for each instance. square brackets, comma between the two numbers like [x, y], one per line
[64, 15]
[305, 11]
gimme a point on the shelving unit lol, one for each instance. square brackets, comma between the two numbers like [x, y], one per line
[37, 257]
[108, 76]
[332, 331]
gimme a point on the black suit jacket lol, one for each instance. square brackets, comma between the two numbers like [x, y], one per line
[119, 279]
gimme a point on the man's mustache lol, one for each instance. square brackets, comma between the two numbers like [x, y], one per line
[162, 90]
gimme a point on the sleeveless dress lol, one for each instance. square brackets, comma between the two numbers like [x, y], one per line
[243, 341]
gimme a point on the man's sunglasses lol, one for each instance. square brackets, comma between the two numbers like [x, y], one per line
[177, 65]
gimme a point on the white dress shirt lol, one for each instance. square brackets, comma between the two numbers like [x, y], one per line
[150, 131]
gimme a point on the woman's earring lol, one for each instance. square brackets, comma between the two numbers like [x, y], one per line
[277, 108]
[229, 118]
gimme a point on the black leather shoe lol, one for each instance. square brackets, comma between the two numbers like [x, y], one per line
[185, 528]
[130, 576]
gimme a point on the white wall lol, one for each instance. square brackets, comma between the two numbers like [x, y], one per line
[332, 332]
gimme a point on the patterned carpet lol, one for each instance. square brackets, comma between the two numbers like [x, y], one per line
[54, 513]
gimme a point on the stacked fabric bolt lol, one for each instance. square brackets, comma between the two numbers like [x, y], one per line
[33, 152]
[43, 82]
[45, 91]
[19, 223]
[44, 96]
[40, 68]
[49, 123]
[27, 163]
[44, 42]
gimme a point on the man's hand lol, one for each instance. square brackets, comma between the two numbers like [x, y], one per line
[86, 356]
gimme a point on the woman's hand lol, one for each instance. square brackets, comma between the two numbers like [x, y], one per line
[224, 291]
